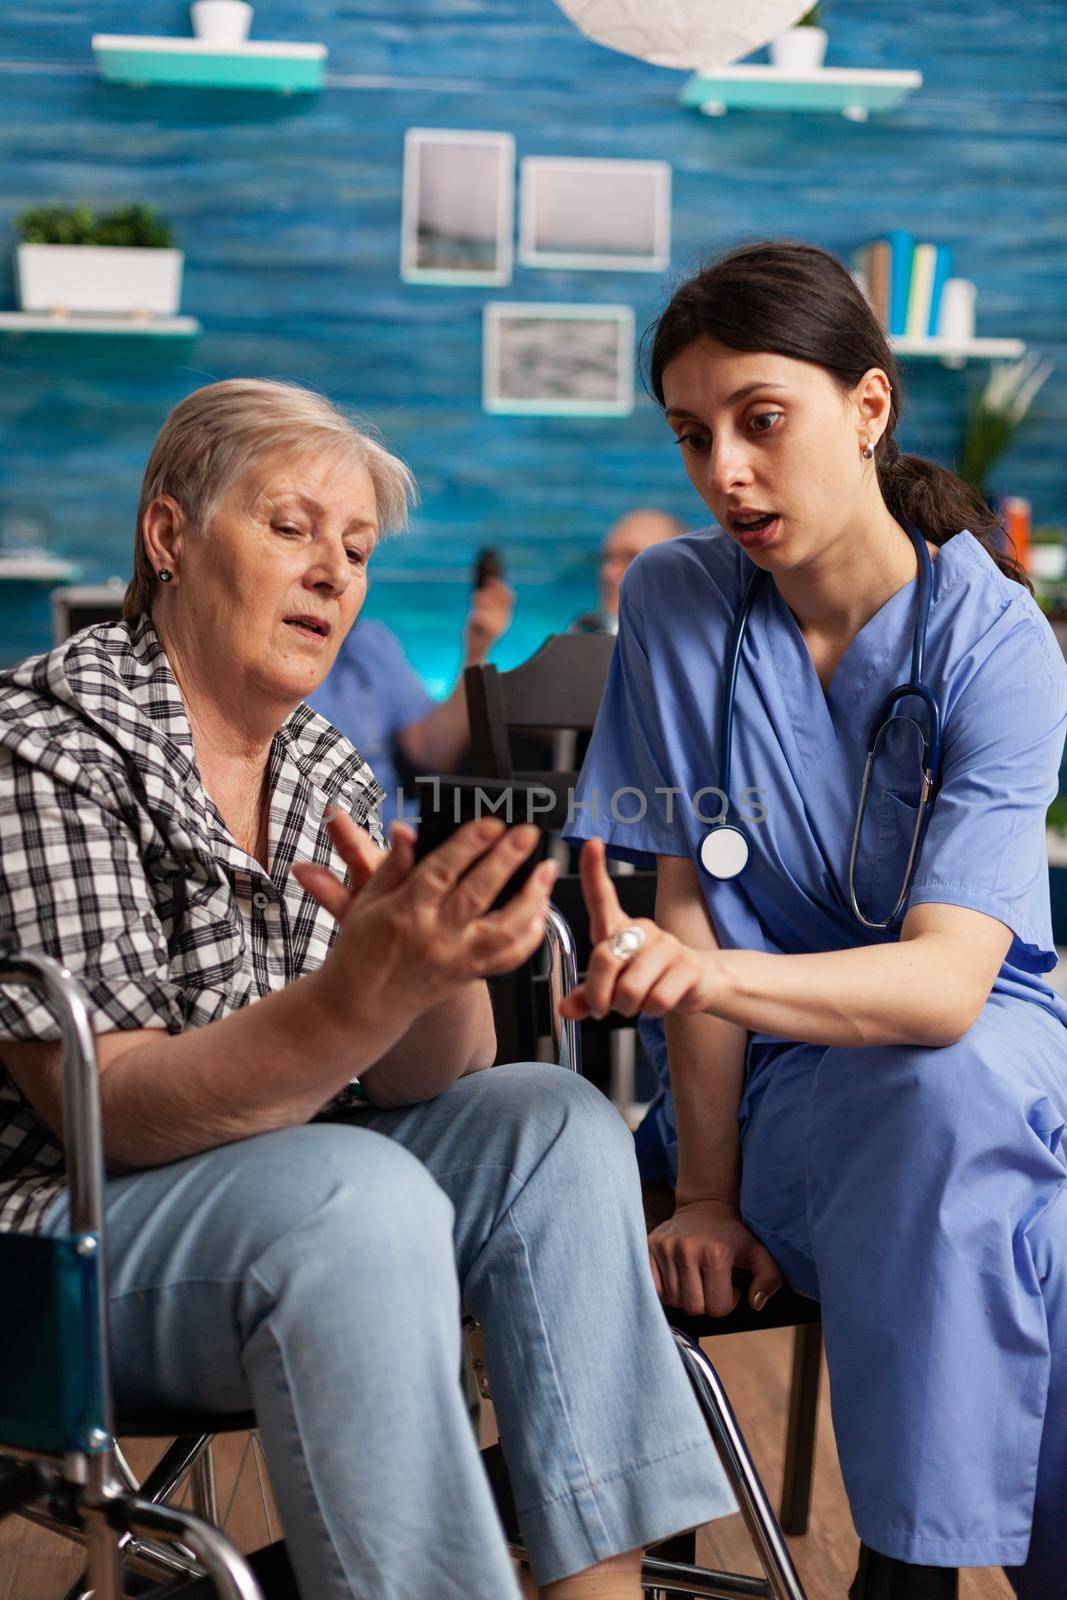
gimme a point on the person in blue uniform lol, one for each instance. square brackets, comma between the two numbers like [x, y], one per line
[623, 543]
[869, 1070]
[374, 696]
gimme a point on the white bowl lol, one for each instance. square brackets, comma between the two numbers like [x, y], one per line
[221, 21]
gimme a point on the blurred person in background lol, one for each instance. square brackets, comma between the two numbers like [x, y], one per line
[374, 696]
[630, 535]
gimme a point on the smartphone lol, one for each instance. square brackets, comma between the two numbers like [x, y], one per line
[489, 563]
[446, 803]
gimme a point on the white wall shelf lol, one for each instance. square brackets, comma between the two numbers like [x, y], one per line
[854, 92]
[138, 60]
[35, 566]
[34, 322]
[957, 352]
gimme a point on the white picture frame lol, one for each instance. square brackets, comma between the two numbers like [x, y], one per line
[595, 215]
[539, 360]
[458, 213]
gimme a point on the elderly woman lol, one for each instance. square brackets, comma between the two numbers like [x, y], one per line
[200, 848]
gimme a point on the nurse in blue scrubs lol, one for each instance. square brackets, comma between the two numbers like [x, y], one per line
[869, 1072]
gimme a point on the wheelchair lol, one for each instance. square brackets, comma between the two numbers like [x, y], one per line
[60, 1465]
[58, 1461]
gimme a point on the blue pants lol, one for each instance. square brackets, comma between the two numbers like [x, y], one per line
[316, 1274]
[920, 1196]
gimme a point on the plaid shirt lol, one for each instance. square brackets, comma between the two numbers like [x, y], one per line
[115, 862]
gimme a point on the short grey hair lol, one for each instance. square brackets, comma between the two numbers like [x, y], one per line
[218, 432]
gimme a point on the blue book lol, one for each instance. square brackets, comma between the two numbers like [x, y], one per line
[901, 250]
[942, 271]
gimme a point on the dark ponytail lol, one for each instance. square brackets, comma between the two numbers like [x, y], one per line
[800, 301]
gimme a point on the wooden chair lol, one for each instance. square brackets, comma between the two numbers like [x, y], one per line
[558, 691]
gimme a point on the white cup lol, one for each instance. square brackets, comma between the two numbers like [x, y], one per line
[955, 319]
[221, 21]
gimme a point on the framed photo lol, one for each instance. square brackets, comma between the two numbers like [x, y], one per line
[600, 215]
[459, 204]
[558, 360]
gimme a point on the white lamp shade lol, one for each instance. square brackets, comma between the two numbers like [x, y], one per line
[698, 34]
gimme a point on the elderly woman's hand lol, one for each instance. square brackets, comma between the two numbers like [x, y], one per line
[412, 934]
[360, 855]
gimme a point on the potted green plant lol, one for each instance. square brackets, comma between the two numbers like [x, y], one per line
[994, 415]
[802, 48]
[71, 262]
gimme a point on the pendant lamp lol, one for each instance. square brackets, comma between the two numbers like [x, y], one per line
[699, 34]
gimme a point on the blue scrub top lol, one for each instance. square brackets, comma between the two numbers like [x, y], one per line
[371, 694]
[997, 669]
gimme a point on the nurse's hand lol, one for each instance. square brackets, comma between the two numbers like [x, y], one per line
[664, 974]
[695, 1254]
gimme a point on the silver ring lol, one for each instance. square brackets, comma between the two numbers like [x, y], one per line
[626, 943]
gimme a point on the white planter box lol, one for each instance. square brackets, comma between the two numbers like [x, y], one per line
[78, 278]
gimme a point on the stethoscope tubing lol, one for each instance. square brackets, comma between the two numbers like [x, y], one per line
[729, 688]
[915, 688]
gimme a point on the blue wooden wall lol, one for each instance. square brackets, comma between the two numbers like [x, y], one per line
[288, 211]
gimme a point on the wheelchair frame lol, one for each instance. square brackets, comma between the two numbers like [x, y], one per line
[781, 1581]
[77, 1487]
[89, 1494]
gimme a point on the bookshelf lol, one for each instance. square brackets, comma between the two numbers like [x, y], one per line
[957, 352]
[139, 60]
[35, 566]
[851, 92]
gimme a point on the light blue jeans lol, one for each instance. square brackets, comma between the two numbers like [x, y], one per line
[316, 1275]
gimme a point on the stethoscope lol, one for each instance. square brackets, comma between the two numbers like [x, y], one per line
[725, 851]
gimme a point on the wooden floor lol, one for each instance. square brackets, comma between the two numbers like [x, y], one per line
[755, 1369]
[35, 1565]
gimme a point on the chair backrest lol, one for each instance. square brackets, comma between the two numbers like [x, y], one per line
[558, 690]
[559, 687]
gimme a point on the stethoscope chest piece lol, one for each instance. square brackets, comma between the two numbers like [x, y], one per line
[724, 852]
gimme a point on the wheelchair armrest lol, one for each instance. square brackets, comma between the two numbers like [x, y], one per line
[83, 1145]
[563, 950]
[82, 1132]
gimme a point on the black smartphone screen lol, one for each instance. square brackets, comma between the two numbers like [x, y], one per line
[445, 804]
